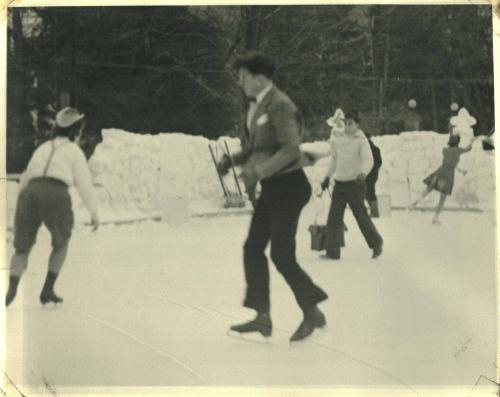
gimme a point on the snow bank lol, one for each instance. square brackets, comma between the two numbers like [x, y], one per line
[134, 173]
[410, 156]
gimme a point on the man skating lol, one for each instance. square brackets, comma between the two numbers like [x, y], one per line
[271, 155]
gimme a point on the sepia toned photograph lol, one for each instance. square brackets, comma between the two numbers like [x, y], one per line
[250, 199]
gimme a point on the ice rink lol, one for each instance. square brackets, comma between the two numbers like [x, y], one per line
[148, 305]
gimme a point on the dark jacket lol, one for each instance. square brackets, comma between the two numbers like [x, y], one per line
[377, 158]
[271, 144]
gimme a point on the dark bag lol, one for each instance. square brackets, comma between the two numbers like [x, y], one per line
[318, 237]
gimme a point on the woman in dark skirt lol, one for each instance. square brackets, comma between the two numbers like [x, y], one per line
[44, 198]
[443, 178]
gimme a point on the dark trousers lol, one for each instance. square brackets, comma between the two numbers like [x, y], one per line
[43, 200]
[275, 220]
[352, 193]
[371, 180]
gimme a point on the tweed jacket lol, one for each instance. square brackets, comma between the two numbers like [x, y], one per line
[271, 143]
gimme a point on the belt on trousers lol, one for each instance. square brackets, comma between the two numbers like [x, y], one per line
[49, 179]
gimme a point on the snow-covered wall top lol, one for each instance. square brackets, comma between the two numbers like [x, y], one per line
[134, 173]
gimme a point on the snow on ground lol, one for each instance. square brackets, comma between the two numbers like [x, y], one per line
[149, 305]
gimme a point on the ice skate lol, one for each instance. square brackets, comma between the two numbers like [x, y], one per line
[9, 298]
[254, 337]
[11, 293]
[261, 324]
[313, 319]
[50, 296]
[257, 330]
[377, 251]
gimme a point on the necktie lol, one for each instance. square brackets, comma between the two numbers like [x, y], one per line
[251, 112]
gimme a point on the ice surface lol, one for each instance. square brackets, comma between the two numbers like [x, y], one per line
[149, 305]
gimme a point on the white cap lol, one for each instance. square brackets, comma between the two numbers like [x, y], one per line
[67, 117]
[337, 116]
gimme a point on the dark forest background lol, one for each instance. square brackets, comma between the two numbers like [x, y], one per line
[167, 69]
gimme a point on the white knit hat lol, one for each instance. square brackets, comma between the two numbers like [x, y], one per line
[338, 116]
[67, 117]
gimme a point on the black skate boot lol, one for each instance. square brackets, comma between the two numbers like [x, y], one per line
[377, 251]
[11, 293]
[312, 319]
[48, 295]
[262, 324]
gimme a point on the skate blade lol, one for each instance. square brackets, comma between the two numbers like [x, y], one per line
[319, 330]
[296, 343]
[253, 337]
[51, 305]
[299, 342]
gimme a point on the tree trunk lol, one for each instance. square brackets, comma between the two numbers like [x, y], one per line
[17, 32]
[383, 82]
[435, 124]
[373, 72]
[381, 115]
[55, 65]
[252, 22]
[479, 108]
[73, 67]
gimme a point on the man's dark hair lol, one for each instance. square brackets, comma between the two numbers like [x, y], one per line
[353, 115]
[70, 132]
[256, 63]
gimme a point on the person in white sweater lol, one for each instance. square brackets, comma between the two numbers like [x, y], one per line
[43, 197]
[351, 161]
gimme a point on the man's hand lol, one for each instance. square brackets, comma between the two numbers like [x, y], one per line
[250, 178]
[224, 165]
[325, 183]
[94, 222]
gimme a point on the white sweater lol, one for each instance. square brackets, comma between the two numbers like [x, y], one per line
[68, 164]
[350, 156]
